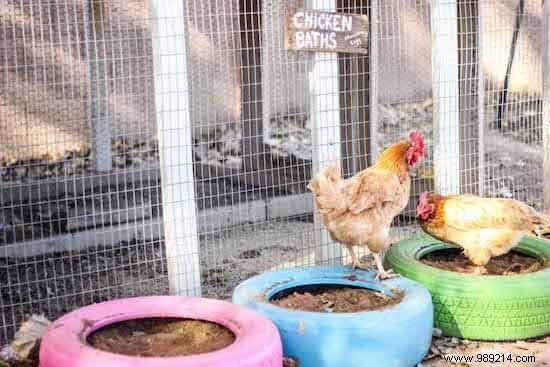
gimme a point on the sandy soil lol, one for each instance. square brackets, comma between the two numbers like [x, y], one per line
[336, 299]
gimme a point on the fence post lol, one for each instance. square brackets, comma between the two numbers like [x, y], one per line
[546, 102]
[374, 57]
[172, 97]
[98, 98]
[480, 101]
[445, 96]
[325, 115]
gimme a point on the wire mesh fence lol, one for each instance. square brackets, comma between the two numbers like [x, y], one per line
[77, 91]
[84, 85]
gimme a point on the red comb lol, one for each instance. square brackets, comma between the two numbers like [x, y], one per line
[423, 197]
[416, 137]
[425, 209]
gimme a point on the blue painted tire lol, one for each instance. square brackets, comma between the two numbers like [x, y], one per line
[399, 335]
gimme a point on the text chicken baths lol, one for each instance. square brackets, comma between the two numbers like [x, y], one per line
[319, 30]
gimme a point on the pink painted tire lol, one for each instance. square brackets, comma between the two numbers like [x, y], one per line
[257, 342]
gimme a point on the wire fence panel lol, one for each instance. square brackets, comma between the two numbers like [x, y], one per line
[512, 59]
[81, 212]
[71, 232]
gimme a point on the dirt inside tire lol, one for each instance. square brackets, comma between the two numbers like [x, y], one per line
[512, 263]
[28, 363]
[331, 298]
[161, 337]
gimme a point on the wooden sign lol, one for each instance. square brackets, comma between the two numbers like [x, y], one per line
[309, 30]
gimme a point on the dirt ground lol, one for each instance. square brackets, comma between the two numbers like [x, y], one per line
[443, 346]
[512, 263]
[161, 338]
[228, 257]
[236, 254]
[337, 299]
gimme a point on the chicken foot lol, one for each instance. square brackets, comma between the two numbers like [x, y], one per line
[355, 262]
[480, 270]
[382, 274]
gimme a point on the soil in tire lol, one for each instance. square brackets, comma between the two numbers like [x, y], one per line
[161, 337]
[27, 363]
[512, 263]
[335, 298]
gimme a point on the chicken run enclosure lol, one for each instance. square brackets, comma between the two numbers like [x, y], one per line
[151, 147]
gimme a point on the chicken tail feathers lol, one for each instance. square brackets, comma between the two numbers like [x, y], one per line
[325, 188]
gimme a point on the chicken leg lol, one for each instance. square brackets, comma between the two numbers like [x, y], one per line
[354, 260]
[480, 270]
[382, 274]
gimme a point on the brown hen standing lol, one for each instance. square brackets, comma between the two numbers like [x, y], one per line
[482, 227]
[358, 211]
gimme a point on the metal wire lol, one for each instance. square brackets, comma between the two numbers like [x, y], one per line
[76, 84]
[80, 206]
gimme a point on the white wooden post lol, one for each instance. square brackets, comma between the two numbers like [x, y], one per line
[546, 103]
[445, 96]
[172, 97]
[481, 100]
[325, 115]
[374, 57]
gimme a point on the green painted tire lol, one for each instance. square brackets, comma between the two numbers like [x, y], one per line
[480, 307]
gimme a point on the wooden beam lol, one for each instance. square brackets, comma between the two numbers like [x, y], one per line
[261, 169]
[99, 112]
[251, 85]
[356, 99]
[546, 103]
[152, 229]
[172, 97]
[19, 193]
[143, 178]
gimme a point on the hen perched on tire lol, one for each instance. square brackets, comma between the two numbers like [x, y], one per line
[481, 307]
